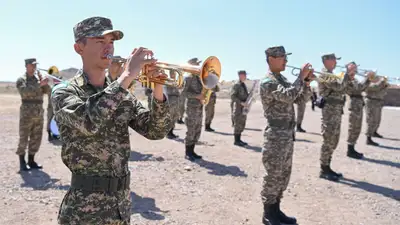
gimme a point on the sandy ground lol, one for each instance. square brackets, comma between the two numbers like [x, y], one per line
[225, 187]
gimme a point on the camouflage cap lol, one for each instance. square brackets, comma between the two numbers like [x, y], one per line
[242, 72]
[31, 61]
[95, 27]
[117, 59]
[330, 56]
[194, 61]
[276, 51]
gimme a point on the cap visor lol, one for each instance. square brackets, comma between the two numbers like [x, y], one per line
[288, 53]
[338, 58]
[117, 34]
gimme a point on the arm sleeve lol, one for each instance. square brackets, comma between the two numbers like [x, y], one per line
[280, 93]
[24, 89]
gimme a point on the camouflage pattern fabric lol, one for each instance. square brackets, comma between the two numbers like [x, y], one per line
[332, 90]
[277, 97]
[173, 99]
[374, 102]
[95, 27]
[301, 105]
[94, 122]
[194, 109]
[354, 90]
[148, 92]
[182, 101]
[210, 107]
[239, 95]
[30, 114]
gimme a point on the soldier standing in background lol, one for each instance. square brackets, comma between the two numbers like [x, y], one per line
[182, 101]
[301, 108]
[332, 89]
[354, 90]
[31, 113]
[277, 97]
[239, 96]
[194, 111]
[313, 99]
[173, 99]
[374, 102]
[50, 112]
[210, 109]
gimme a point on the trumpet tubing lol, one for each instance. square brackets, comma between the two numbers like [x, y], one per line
[324, 76]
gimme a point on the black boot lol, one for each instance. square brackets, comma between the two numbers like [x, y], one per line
[240, 139]
[171, 134]
[294, 137]
[32, 164]
[180, 121]
[22, 163]
[208, 128]
[50, 136]
[377, 135]
[371, 142]
[237, 141]
[352, 153]
[189, 153]
[328, 173]
[282, 217]
[270, 216]
[299, 129]
[194, 153]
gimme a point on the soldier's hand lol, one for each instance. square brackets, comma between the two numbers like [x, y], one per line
[44, 82]
[156, 73]
[137, 60]
[305, 71]
[243, 104]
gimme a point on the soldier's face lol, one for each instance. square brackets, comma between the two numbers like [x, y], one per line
[30, 69]
[242, 76]
[279, 63]
[330, 64]
[94, 52]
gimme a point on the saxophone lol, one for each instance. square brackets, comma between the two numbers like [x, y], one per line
[250, 99]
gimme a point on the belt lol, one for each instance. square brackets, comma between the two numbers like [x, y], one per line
[102, 184]
[356, 96]
[334, 101]
[31, 101]
[376, 99]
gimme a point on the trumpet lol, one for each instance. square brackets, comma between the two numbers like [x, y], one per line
[326, 76]
[52, 70]
[376, 75]
[209, 73]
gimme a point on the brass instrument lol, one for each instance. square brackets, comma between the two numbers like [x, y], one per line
[250, 99]
[209, 72]
[325, 76]
[52, 70]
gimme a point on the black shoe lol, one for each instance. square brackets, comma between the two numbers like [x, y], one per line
[240, 139]
[22, 163]
[208, 128]
[377, 135]
[32, 164]
[171, 134]
[180, 121]
[189, 153]
[194, 153]
[352, 153]
[238, 142]
[328, 173]
[371, 142]
[282, 217]
[299, 129]
[271, 215]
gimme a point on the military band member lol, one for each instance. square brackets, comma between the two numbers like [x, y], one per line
[31, 89]
[301, 108]
[173, 99]
[332, 89]
[354, 90]
[194, 111]
[277, 96]
[375, 94]
[93, 116]
[239, 96]
[210, 109]
[50, 113]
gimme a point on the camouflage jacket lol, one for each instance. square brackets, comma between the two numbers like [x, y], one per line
[305, 96]
[355, 90]
[192, 88]
[239, 93]
[377, 91]
[172, 91]
[214, 92]
[31, 96]
[277, 97]
[332, 89]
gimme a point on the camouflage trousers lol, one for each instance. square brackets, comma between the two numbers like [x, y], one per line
[182, 100]
[232, 114]
[193, 121]
[239, 120]
[210, 110]
[149, 97]
[86, 208]
[174, 109]
[277, 155]
[355, 120]
[30, 134]
[50, 114]
[301, 108]
[331, 120]
[373, 110]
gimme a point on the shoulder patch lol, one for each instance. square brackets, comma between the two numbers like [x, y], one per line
[63, 84]
[266, 80]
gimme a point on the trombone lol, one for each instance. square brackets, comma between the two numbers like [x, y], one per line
[52, 70]
[209, 73]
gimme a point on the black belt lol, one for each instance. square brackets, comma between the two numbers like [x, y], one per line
[376, 99]
[32, 101]
[103, 184]
[356, 96]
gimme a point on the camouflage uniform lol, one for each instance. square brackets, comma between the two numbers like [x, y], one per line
[148, 92]
[374, 102]
[277, 96]
[332, 90]
[194, 115]
[50, 115]
[210, 109]
[30, 117]
[239, 95]
[354, 90]
[301, 108]
[232, 114]
[173, 99]
[182, 101]
[94, 122]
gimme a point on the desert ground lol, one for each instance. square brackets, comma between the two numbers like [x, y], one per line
[223, 188]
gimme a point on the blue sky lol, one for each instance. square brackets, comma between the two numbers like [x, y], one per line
[237, 32]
